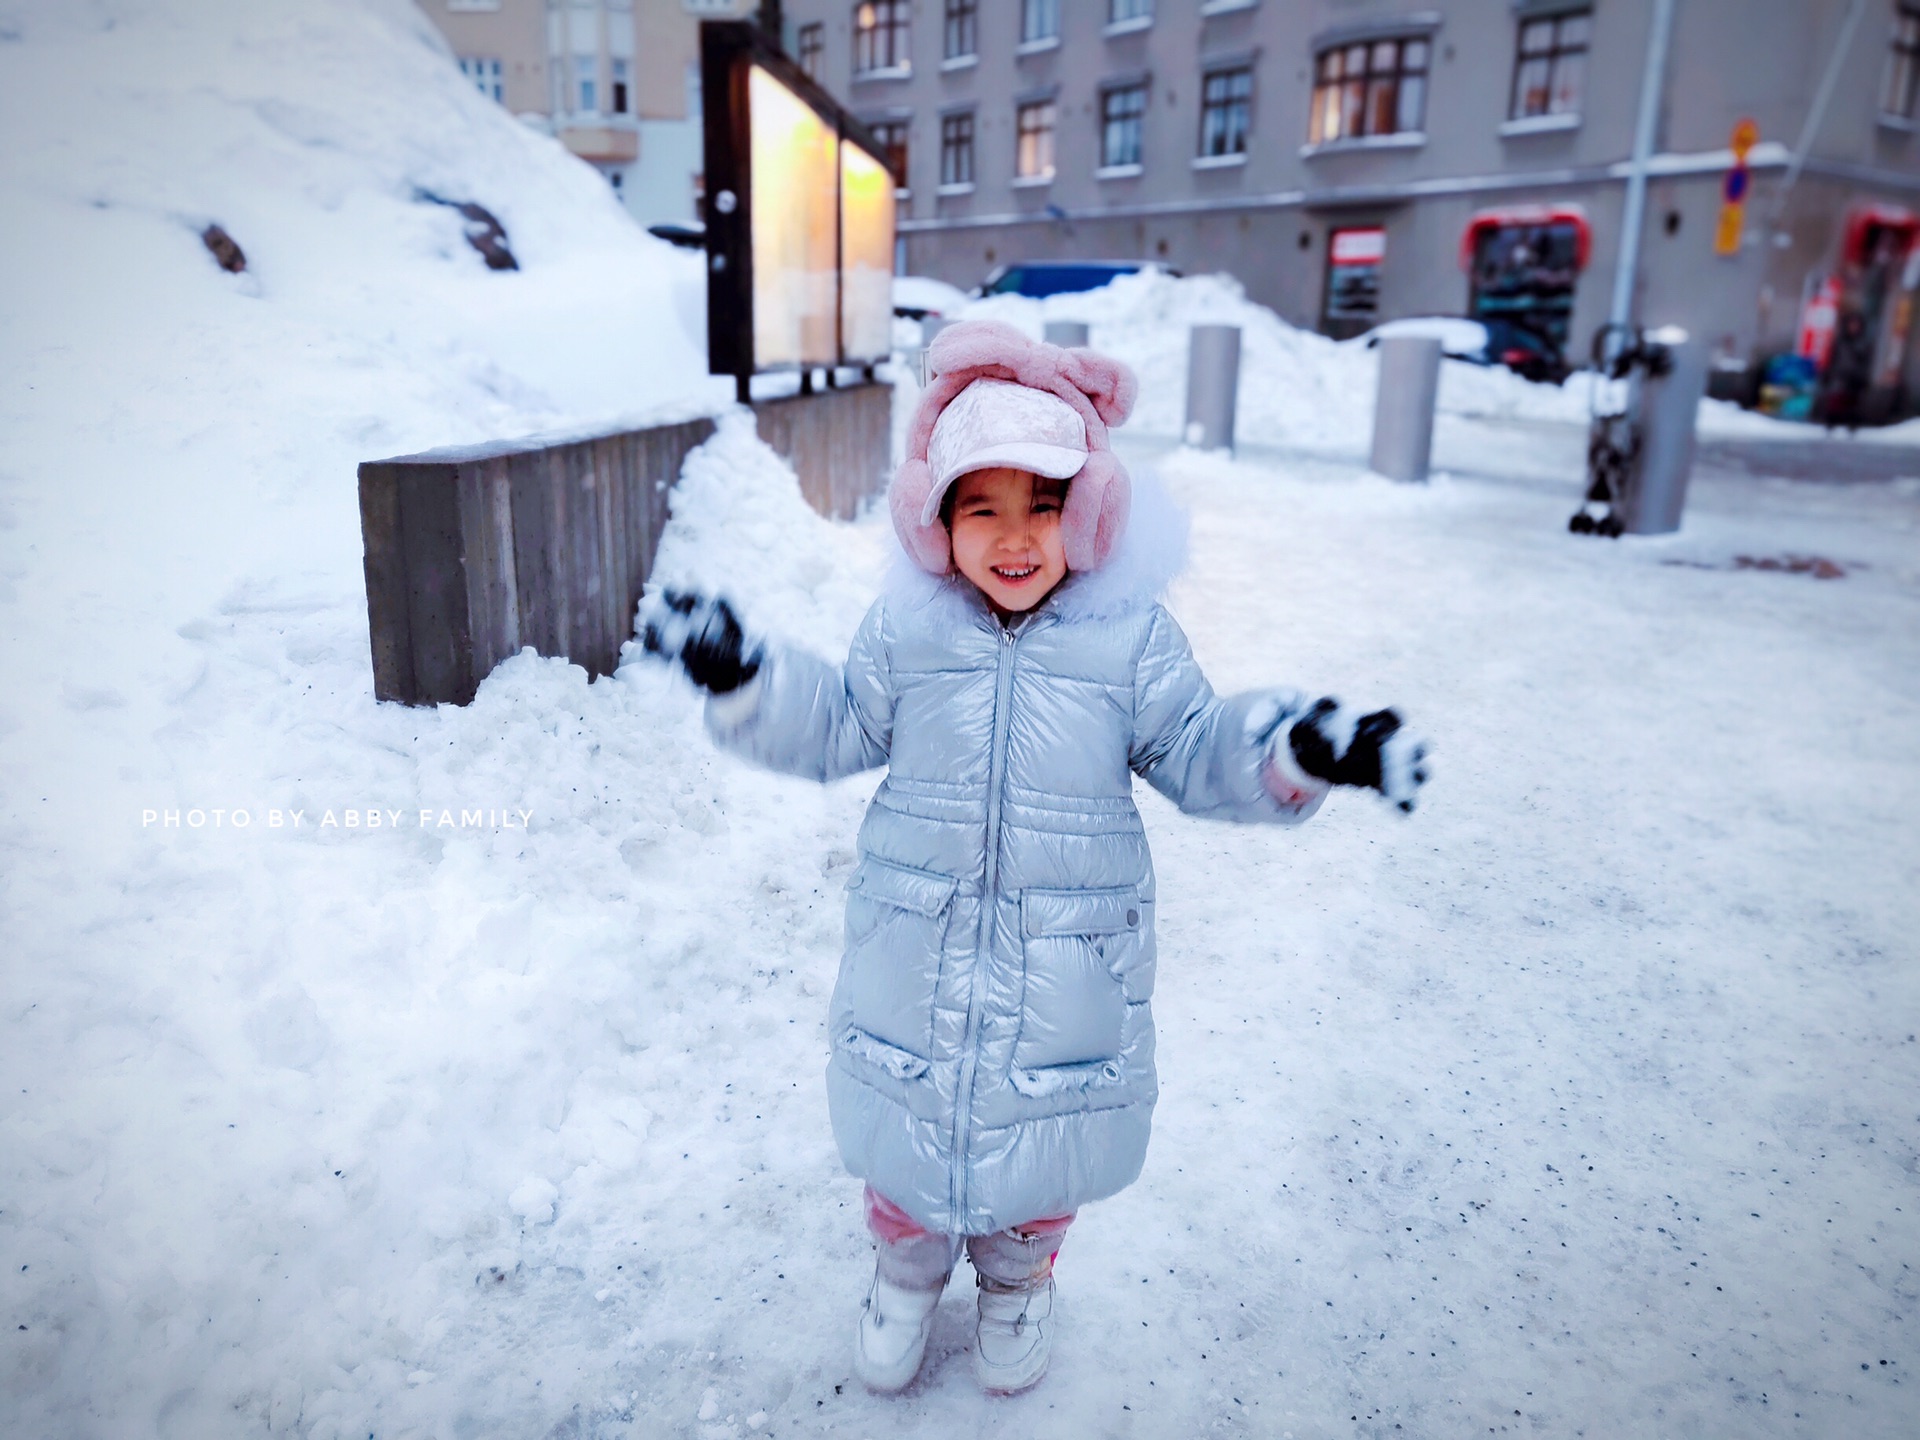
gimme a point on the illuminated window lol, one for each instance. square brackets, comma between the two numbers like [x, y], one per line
[1033, 153]
[892, 135]
[879, 36]
[1122, 112]
[1120, 12]
[586, 84]
[619, 87]
[956, 148]
[813, 44]
[1375, 87]
[1039, 20]
[1226, 108]
[963, 29]
[485, 75]
[1903, 65]
[1550, 71]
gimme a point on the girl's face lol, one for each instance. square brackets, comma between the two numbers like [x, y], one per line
[1006, 536]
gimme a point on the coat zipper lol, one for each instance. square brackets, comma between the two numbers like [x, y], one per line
[983, 946]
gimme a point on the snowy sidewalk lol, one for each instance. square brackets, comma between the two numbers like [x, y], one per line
[1581, 1102]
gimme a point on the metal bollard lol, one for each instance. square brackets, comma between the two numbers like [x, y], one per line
[1669, 411]
[930, 326]
[1213, 384]
[1068, 334]
[1403, 407]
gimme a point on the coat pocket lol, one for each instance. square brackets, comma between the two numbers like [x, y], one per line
[1077, 945]
[874, 1051]
[1054, 1080]
[897, 921]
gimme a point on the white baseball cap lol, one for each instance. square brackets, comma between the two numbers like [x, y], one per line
[1001, 422]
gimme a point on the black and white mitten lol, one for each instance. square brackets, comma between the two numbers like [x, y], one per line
[1372, 751]
[704, 636]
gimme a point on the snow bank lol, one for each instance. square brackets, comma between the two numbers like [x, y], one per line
[1303, 391]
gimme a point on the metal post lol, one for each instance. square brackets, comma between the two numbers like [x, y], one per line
[1213, 383]
[1627, 267]
[1403, 407]
[1815, 113]
[930, 326]
[1068, 334]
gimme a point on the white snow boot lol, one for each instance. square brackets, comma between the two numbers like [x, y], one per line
[894, 1325]
[1015, 1337]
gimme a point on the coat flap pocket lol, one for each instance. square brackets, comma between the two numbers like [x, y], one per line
[1080, 912]
[920, 891]
[1056, 1079]
[901, 1064]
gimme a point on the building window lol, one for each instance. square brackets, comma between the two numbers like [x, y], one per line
[892, 135]
[1375, 88]
[1124, 12]
[956, 148]
[619, 87]
[879, 36]
[813, 44]
[1550, 70]
[485, 75]
[963, 29]
[1039, 21]
[1122, 110]
[586, 84]
[1226, 107]
[1033, 152]
[1903, 65]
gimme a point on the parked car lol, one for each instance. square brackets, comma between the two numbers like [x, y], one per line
[687, 237]
[1480, 342]
[918, 297]
[1039, 278]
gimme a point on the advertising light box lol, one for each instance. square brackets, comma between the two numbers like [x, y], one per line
[800, 216]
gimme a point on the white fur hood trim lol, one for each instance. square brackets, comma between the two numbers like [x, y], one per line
[1150, 554]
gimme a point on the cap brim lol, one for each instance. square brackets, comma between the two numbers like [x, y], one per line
[1056, 462]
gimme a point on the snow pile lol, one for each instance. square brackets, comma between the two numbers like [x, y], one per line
[1297, 389]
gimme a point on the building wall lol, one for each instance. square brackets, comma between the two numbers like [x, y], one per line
[651, 150]
[1266, 220]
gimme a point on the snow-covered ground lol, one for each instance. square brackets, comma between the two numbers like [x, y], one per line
[1581, 1102]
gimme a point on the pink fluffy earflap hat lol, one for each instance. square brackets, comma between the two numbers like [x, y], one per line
[981, 433]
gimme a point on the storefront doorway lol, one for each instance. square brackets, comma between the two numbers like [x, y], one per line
[1523, 264]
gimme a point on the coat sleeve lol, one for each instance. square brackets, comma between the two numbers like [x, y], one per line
[802, 716]
[1202, 752]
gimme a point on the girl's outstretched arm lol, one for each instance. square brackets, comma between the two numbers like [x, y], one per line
[1208, 755]
[779, 707]
[1263, 755]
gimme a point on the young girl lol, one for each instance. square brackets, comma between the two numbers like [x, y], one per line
[992, 1065]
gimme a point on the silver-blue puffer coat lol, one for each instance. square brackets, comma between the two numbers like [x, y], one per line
[992, 1042]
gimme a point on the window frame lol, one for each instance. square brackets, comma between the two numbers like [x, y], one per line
[488, 76]
[586, 84]
[1348, 101]
[892, 19]
[1034, 13]
[1045, 139]
[1138, 15]
[960, 30]
[957, 131]
[1226, 104]
[892, 132]
[619, 85]
[1903, 66]
[1559, 50]
[1137, 89]
[810, 49]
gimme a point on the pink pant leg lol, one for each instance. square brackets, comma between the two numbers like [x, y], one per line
[910, 1256]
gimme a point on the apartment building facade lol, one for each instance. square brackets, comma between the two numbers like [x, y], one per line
[616, 81]
[1351, 161]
